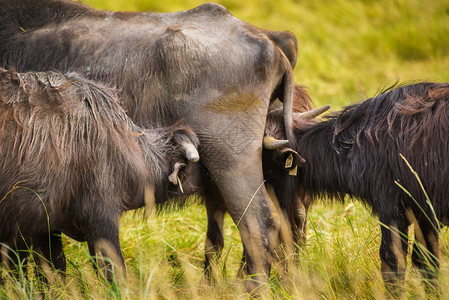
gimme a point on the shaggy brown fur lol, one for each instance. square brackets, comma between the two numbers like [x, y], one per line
[71, 161]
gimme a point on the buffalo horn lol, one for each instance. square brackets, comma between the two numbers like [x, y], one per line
[191, 152]
[308, 115]
[271, 143]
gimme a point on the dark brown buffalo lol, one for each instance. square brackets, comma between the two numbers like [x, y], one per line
[216, 72]
[71, 161]
[367, 151]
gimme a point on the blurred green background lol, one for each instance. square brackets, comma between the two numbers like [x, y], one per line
[348, 50]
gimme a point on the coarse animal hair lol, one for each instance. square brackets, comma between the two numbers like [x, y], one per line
[365, 140]
[367, 150]
[72, 160]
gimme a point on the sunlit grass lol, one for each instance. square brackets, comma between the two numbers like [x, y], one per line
[164, 254]
[348, 50]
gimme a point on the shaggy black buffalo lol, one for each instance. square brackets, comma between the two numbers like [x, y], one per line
[203, 65]
[72, 161]
[368, 151]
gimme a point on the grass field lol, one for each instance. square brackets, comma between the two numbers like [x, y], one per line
[348, 50]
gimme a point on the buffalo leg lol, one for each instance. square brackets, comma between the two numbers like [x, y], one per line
[50, 253]
[293, 206]
[426, 252]
[214, 236]
[232, 155]
[283, 205]
[393, 251]
[251, 209]
[104, 245]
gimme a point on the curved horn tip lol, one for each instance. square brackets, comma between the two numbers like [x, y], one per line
[308, 115]
[271, 143]
[191, 152]
[326, 107]
[193, 157]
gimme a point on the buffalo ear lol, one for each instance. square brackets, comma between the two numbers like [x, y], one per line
[287, 42]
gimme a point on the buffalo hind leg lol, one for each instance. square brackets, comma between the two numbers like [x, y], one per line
[214, 237]
[393, 252]
[234, 164]
[426, 253]
[242, 186]
[258, 225]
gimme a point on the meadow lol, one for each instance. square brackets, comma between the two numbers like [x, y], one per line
[348, 50]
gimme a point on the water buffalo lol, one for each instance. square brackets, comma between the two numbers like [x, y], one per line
[72, 161]
[368, 150]
[216, 72]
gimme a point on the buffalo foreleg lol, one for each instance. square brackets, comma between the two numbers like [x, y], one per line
[104, 246]
[49, 253]
[299, 226]
[15, 258]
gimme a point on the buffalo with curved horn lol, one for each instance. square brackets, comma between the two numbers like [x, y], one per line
[389, 151]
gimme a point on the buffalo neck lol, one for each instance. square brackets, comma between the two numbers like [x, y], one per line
[326, 170]
[157, 153]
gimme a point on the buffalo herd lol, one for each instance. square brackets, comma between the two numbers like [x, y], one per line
[105, 112]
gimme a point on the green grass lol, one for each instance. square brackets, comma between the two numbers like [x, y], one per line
[163, 256]
[348, 50]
